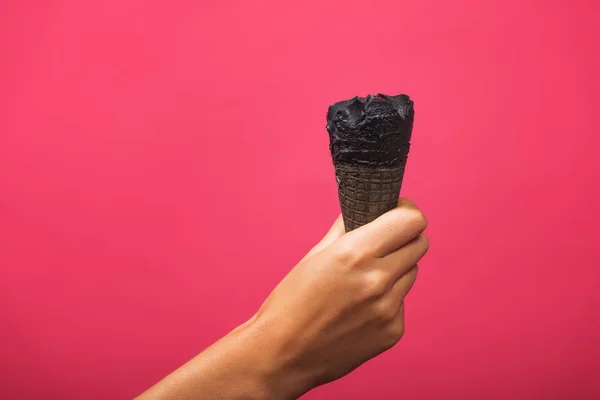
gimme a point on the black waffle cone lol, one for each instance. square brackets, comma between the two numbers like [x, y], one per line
[367, 192]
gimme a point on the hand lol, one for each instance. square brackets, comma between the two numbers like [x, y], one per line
[340, 306]
[343, 303]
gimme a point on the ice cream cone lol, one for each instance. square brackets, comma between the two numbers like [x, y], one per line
[369, 142]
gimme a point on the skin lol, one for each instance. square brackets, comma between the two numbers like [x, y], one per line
[342, 305]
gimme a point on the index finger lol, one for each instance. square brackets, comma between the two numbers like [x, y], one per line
[392, 230]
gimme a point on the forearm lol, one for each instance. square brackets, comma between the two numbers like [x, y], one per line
[237, 367]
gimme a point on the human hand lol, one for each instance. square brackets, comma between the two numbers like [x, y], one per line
[340, 306]
[343, 303]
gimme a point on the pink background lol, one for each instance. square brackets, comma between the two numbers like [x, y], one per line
[151, 194]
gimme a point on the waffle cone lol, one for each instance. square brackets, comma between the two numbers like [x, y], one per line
[367, 192]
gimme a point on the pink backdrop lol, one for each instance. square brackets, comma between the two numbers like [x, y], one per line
[151, 194]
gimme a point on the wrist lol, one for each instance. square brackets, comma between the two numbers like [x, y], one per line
[271, 365]
[247, 364]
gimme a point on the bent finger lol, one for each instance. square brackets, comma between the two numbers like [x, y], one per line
[392, 230]
[402, 260]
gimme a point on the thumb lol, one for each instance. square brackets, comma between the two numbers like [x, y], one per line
[335, 232]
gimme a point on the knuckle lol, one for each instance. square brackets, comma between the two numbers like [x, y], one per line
[349, 254]
[374, 284]
[345, 253]
[396, 331]
[416, 220]
[385, 311]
